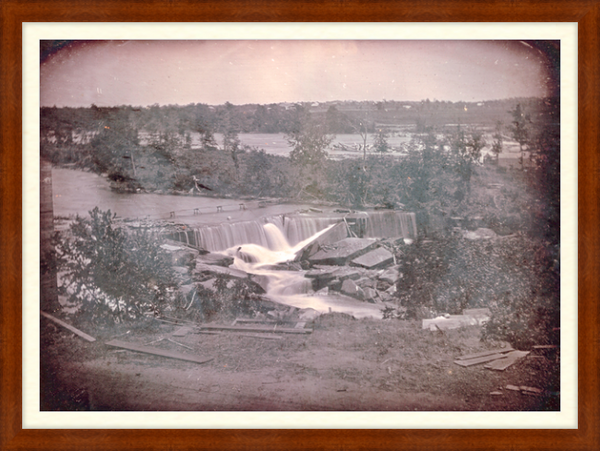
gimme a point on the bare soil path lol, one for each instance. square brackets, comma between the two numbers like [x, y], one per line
[343, 365]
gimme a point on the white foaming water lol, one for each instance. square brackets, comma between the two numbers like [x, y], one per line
[291, 287]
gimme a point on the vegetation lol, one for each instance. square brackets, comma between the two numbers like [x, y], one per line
[440, 177]
[229, 299]
[110, 275]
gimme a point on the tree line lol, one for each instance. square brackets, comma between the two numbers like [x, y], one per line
[151, 150]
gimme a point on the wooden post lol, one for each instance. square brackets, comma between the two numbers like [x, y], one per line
[48, 284]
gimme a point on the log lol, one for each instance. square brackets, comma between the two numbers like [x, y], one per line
[158, 352]
[69, 327]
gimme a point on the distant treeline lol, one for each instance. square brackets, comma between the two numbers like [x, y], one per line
[339, 117]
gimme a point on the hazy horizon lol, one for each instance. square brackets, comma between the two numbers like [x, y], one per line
[145, 73]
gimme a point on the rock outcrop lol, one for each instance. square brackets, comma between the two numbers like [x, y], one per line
[342, 252]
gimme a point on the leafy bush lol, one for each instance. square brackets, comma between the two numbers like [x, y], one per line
[111, 275]
[516, 277]
[528, 313]
[229, 298]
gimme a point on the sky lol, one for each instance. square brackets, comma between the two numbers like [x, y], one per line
[142, 73]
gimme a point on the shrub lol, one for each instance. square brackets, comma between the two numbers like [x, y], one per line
[517, 278]
[229, 298]
[111, 275]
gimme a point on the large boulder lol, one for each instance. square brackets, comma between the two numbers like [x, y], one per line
[333, 235]
[215, 258]
[375, 259]
[350, 288]
[203, 269]
[181, 255]
[390, 275]
[343, 251]
[370, 294]
[326, 275]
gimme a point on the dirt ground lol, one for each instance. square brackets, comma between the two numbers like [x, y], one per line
[343, 365]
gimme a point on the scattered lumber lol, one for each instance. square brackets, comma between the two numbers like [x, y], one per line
[534, 390]
[180, 344]
[182, 331]
[158, 352]
[478, 360]
[510, 359]
[283, 330]
[484, 353]
[69, 327]
[265, 336]
[253, 321]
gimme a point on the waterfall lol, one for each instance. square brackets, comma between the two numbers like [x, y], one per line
[391, 224]
[291, 287]
[297, 228]
[293, 229]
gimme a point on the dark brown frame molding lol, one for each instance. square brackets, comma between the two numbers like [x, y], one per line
[14, 12]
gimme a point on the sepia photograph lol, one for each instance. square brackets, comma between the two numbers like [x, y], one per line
[300, 225]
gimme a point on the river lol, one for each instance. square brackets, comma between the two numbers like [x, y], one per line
[77, 192]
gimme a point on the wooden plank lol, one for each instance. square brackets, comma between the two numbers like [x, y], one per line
[266, 336]
[182, 332]
[68, 326]
[479, 360]
[510, 359]
[256, 321]
[484, 353]
[159, 352]
[257, 329]
[531, 389]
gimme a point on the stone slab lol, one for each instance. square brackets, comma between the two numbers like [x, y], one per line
[215, 259]
[375, 259]
[343, 251]
[336, 233]
[390, 275]
[351, 289]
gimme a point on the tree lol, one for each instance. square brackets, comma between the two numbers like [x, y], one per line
[381, 144]
[520, 129]
[467, 151]
[231, 140]
[363, 131]
[115, 147]
[309, 142]
[257, 178]
[497, 144]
